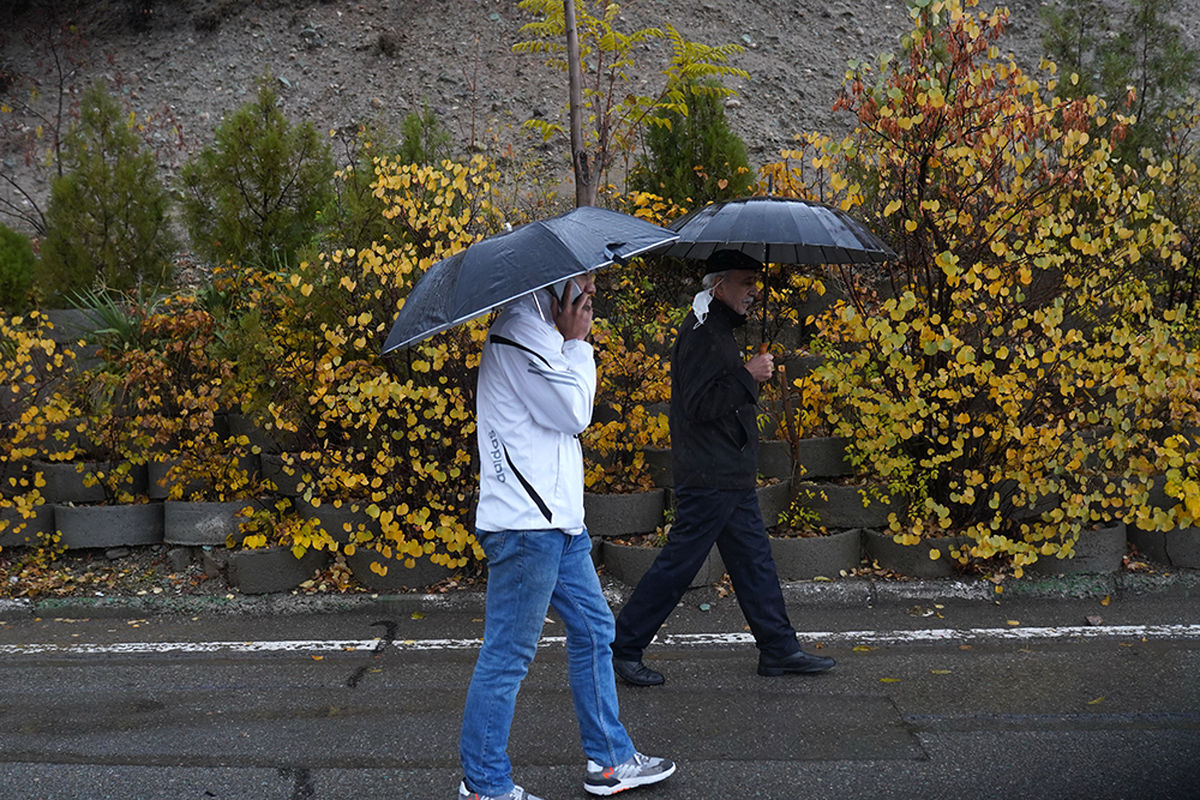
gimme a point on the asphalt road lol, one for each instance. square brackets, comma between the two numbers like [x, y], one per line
[932, 698]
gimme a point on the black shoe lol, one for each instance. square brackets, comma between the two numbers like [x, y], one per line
[798, 663]
[636, 673]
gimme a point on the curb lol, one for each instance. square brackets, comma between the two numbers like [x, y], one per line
[1181, 583]
[231, 604]
[845, 592]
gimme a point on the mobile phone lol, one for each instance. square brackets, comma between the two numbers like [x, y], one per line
[559, 286]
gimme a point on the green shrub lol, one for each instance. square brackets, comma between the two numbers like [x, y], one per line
[423, 140]
[256, 194]
[1143, 52]
[106, 222]
[355, 217]
[16, 269]
[696, 157]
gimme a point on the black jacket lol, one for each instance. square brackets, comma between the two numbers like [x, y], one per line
[714, 433]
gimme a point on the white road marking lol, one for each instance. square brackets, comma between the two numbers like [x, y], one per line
[1016, 633]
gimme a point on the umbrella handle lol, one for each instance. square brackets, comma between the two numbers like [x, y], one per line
[762, 348]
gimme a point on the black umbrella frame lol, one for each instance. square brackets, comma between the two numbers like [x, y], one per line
[497, 270]
[777, 230]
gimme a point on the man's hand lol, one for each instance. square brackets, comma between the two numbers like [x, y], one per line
[572, 318]
[761, 367]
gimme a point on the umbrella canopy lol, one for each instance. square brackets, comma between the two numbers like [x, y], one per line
[501, 268]
[777, 230]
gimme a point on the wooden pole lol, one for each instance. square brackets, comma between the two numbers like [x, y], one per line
[585, 190]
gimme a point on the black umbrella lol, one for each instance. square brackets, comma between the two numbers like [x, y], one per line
[503, 267]
[777, 230]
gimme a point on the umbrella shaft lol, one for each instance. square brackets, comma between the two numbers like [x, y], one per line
[762, 347]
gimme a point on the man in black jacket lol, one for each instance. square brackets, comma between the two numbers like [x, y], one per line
[714, 443]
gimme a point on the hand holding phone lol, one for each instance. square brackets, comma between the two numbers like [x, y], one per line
[562, 286]
[572, 310]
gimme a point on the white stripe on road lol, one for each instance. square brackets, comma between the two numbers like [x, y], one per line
[1016, 633]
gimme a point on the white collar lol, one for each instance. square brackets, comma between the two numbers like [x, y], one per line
[700, 304]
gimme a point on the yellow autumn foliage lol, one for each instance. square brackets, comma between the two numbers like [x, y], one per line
[1012, 375]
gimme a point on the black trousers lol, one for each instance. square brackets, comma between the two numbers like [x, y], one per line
[732, 520]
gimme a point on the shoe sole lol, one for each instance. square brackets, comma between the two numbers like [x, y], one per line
[657, 680]
[631, 783]
[775, 672]
[631, 682]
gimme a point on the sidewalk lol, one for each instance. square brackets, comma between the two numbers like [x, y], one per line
[847, 592]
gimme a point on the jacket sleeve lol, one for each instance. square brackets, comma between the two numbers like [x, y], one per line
[711, 383]
[556, 380]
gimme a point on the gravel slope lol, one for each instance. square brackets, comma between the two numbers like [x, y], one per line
[340, 63]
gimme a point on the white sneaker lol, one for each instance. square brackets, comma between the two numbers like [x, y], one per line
[639, 770]
[515, 793]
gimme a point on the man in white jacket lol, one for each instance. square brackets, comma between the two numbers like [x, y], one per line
[537, 384]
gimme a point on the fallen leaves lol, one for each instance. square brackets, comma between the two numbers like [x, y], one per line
[33, 575]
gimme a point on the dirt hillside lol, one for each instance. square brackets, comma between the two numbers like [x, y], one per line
[339, 63]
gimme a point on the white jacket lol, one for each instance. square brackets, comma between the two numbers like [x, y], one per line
[535, 397]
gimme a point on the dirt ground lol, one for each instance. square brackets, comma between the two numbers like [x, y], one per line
[339, 63]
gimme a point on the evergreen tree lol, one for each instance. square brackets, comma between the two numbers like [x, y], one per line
[107, 219]
[423, 139]
[354, 217]
[255, 195]
[1073, 29]
[1144, 68]
[695, 157]
[16, 269]
[1144, 59]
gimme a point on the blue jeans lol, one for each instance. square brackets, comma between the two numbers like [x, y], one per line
[528, 571]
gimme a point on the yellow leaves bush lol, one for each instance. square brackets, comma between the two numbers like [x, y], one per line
[30, 364]
[1012, 374]
[1022, 373]
[297, 350]
[630, 382]
[394, 435]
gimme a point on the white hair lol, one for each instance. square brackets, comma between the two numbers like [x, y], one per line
[710, 280]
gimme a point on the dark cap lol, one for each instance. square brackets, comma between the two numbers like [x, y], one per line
[722, 260]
